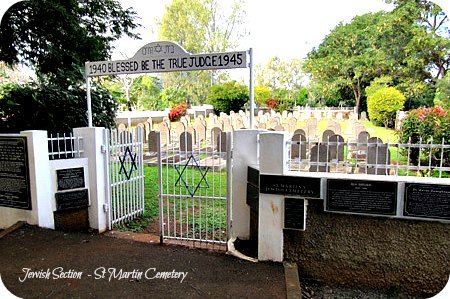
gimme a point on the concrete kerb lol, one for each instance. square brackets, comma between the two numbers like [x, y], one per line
[293, 288]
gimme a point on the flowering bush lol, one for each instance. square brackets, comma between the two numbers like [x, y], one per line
[427, 125]
[272, 103]
[177, 112]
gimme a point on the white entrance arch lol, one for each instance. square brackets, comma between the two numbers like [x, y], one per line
[165, 56]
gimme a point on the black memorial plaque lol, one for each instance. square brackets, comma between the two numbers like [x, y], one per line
[294, 213]
[361, 197]
[14, 173]
[72, 199]
[290, 185]
[427, 201]
[70, 178]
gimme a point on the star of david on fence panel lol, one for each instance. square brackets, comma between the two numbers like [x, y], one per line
[133, 165]
[184, 183]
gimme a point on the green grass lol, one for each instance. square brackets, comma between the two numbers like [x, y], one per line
[195, 215]
[387, 135]
[151, 209]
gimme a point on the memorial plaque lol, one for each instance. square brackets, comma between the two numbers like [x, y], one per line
[427, 201]
[14, 175]
[72, 199]
[70, 178]
[290, 185]
[294, 213]
[361, 197]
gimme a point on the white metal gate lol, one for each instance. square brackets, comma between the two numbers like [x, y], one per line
[194, 188]
[126, 175]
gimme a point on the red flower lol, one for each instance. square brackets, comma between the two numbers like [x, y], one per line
[177, 112]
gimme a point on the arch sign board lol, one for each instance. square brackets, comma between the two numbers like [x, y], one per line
[159, 57]
[164, 56]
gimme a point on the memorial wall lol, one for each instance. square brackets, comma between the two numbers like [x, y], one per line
[363, 231]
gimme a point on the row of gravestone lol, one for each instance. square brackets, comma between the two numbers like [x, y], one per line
[370, 153]
[240, 121]
[188, 141]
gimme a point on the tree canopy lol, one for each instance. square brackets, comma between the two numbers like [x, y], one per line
[407, 44]
[200, 26]
[55, 38]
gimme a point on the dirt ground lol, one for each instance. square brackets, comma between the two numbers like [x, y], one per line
[40, 263]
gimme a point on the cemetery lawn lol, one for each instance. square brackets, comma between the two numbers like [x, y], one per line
[149, 221]
[151, 209]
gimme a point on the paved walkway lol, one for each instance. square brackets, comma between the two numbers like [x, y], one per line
[39, 263]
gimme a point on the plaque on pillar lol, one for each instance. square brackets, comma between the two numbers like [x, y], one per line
[72, 199]
[14, 173]
[290, 185]
[70, 178]
[295, 213]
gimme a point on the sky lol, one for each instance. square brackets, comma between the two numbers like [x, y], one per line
[284, 28]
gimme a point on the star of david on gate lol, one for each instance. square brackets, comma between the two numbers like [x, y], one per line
[122, 159]
[190, 188]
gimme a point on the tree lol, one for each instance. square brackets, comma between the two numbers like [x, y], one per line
[378, 83]
[200, 26]
[281, 75]
[430, 43]
[49, 107]
[56, 38]
[425, 55]
[145, 93]
[383, 103]
[349, 57]
[443, 92]
[408, 44]
[133, 92]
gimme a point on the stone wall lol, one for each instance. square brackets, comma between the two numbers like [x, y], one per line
[394, 255]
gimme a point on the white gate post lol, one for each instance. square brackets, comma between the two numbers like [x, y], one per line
[245, 153]
[95, 150]
[271, 207]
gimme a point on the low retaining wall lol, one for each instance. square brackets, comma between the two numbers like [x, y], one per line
[380, 232]
[394, 255]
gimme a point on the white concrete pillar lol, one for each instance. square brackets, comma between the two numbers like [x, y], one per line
[245, 149]
[93, 140]
[40, 184]
[271, 207]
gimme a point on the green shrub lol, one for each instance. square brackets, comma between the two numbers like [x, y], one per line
[383, 104]
[262, 94]
[229, 96]
[48, 107]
